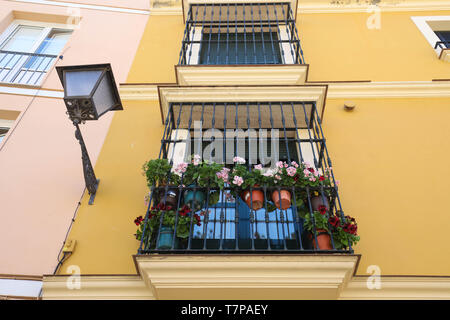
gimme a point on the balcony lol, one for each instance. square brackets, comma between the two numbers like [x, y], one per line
[241, 43]
[24, 68]
[229, 219]
[203, 240]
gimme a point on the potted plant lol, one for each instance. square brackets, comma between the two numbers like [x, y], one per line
[157, 173]
[241, 180]
[283, 178]
[169, 218]
[202, 174]
[344, 232]
[318, 220]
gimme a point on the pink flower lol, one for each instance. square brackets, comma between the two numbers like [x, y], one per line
[277, 177]
[268, 173]
[306, 172]
[196, 160]
[239, 160]
[279, 164]
[291, 171]
[258, 167]
[295, 164]
[312, 179]
[306, 164]
[337, 182]
[286, 165]
[238, 181]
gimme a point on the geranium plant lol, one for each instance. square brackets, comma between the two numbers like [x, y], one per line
[320, 220]
[203, 174]
[344, 232]
[169, 216]
[157, 172]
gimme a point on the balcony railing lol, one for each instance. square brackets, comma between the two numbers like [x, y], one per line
[240, 34]
[442, 44]
[229, 224]
[24, 68]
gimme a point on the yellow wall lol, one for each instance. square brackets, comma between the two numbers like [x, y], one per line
[159, 51]
[104, 231]
[391, 155]
[340, 47]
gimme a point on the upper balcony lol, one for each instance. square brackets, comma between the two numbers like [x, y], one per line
[241, 43]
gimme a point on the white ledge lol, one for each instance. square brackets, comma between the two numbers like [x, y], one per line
[253, 277]
[193, 75]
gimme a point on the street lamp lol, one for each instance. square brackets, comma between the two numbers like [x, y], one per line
[89, 92]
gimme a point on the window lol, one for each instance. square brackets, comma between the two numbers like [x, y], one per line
[239, 34]
[240, 48]
[28, 50]
[436, 30]
[5, 125]
[444, 36]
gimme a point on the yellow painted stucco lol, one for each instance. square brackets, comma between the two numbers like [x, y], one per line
[390, 154]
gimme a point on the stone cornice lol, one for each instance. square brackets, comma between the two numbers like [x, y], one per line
[363, 90]
[96, 287]
[399, 288]
[246, 276]
[352, 6]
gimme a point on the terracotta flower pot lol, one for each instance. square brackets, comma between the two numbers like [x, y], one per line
[323, 240]
[317, 201]
[281, 199]
[254, 199]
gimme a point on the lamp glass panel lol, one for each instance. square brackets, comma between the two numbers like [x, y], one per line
[104, 96]
[81, 83]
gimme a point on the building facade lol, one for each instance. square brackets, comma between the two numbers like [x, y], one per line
[357, 93]
[40, 161]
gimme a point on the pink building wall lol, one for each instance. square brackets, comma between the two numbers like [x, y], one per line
[41, 177]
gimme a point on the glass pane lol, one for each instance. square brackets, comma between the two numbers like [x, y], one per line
[240, 48]
[52, 45]
[81, 83]
[22, 39]
[103, 96]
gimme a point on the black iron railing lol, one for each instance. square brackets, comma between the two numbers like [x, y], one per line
[442, 44]
[24, 68]
[240, 34]
[230, 225]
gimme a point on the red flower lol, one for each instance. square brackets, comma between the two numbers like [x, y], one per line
[184, 210]
[138, 220]
[322, 209]
[334, 221]
[321, 178]
[311, 170]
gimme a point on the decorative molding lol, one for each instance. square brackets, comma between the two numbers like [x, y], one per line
[352, 6]
[83, 6]
[382, 90]
[241, 75]
[242, 276]
[342, 90]
[399, 288]
[138, 92]
[307, 93]
[98, 287]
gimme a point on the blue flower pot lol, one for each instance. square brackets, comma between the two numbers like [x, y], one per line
[165, 238]
[197, 198]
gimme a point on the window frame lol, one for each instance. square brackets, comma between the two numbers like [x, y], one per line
[47, 28]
